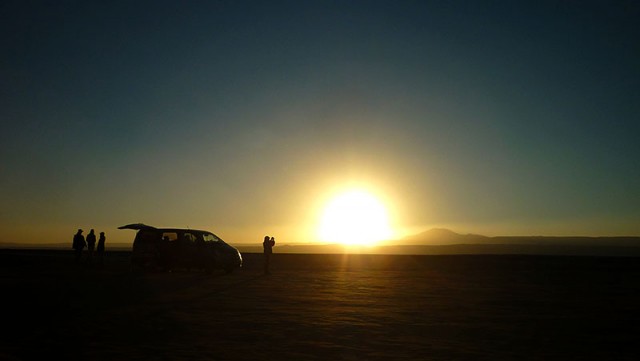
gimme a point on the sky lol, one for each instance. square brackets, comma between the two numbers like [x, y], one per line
[246, 117]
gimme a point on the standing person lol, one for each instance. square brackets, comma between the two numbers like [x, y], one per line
[100, 249]
[268, 244]
[78, 244]
[91, 244]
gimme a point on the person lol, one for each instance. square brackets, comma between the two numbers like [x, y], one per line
[268, 244]
[78, 244]
[91, 245]
[100, 248]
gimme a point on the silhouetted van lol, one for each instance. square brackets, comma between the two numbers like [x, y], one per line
[170, 248]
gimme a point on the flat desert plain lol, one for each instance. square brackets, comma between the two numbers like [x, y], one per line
[323, 307]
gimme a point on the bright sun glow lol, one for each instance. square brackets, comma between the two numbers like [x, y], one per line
[354, 218]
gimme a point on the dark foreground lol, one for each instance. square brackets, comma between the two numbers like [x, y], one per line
[323, 307]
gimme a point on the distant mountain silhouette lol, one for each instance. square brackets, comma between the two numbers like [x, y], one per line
[442, 236]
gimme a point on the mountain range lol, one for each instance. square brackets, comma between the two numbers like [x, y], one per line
[441, 237]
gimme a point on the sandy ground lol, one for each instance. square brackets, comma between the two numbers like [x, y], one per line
[323, 307]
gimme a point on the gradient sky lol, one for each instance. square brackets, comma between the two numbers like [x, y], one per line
[492, 117]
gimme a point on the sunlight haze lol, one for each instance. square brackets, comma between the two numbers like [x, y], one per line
[355, 217]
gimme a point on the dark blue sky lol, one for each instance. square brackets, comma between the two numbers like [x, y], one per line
[494, 117]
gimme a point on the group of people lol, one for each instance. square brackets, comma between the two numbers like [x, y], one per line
[79, 243]
[268, 244]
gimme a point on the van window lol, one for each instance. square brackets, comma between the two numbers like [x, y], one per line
[169, 236]
[198, 237]
[188, 237]
[208, 237]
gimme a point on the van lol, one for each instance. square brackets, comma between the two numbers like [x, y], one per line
[171, 248]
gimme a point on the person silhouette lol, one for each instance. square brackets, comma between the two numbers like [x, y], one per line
[100, 248]
[91, 244]
[78, 245]
[268, 244]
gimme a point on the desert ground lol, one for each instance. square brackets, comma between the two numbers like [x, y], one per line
[323, 307]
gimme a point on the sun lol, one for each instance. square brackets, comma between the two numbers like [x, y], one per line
[355, 217]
